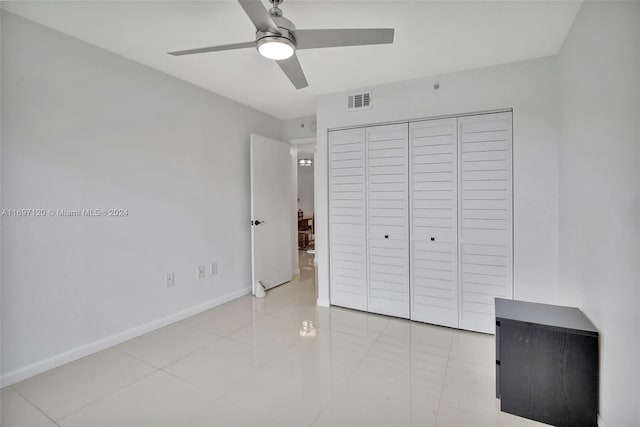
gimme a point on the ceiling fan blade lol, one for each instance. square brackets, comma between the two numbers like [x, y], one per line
[293, 70]
[314, 39]
[213, 48]
[259, 15]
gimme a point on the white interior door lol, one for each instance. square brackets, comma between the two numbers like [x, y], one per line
[388, 220]
[434, 221]
[271, 212]
[485, 218]
[347, 212]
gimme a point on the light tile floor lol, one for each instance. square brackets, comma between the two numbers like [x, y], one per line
[246, 363]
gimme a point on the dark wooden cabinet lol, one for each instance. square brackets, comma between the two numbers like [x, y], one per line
[546, 363]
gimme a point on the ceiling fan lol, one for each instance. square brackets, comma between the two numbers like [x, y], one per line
[278, 39]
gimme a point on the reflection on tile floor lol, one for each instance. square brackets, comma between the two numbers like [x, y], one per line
[246, 363]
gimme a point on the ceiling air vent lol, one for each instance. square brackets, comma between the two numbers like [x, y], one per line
[359, 101]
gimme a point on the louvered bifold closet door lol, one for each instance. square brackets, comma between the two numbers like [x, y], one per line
[348, 249]
[485, 220]
[434, 221]
[387, 219]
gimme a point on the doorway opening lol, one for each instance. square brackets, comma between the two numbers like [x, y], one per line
[306, 211]
[304, 225]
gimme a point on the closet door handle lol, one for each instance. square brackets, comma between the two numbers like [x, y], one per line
[433, 239]
[386, 236]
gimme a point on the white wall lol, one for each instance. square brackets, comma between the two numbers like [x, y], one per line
[299, 127]
[84, 128]
[529, 88]
[600, 193]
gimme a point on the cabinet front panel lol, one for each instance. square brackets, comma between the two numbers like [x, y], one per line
[548, 375]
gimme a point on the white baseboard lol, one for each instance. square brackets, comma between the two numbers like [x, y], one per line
[79, 352]
[323, 302]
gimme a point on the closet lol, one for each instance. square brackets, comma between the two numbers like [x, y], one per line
[421, 219]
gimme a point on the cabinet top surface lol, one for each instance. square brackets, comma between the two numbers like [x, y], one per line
[544, 314]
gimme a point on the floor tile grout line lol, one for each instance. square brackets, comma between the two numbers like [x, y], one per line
[364, 356]
[349, 376]
[231, 389]
[34, 405]
[154, 369]
[164, 368]
[183, 380]
[134, 357]
[106, 395]
[443, 382]
[250, 322]
[200, 347]
[325, 407]
[274, 357]
[200, 387]
[182, 323]
[202, 328]
[109, 394]
[191, 353]
[236, 341]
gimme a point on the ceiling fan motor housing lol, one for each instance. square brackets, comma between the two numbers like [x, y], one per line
[286, 30]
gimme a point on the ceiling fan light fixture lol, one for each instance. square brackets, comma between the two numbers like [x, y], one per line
[276, 38]
[276, 48]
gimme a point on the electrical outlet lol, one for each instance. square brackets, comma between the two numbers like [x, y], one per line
[214, 268]
[201, 272]
[169, 280]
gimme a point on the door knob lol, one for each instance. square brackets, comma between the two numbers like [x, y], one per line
[258, 222]
[433, 239]
[386, 236]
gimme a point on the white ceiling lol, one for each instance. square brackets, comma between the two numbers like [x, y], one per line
[432, 38]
